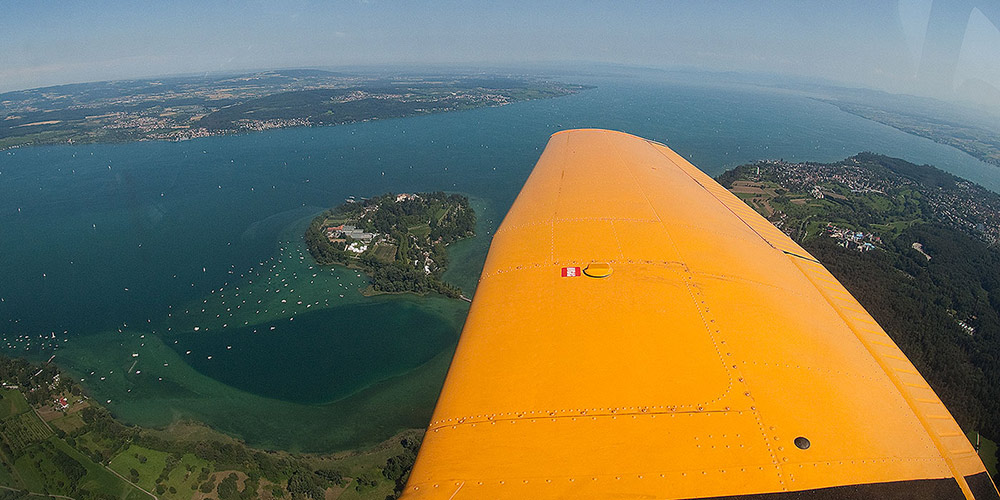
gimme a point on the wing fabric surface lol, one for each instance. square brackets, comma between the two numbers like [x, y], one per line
[690, 371]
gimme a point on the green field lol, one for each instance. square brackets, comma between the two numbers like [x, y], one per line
[987, 452]
[336, 221]
[69, 423]
[38, 472]
[86, 443]
[6, 478]
[897, 227]
[385, 253]
[367, 464]
[438, 213]
[178, 477]
[183, 478]
[421, 231]
[53, 467]
[100, 450]
[148, 463]
[13, 402]
[100, 479]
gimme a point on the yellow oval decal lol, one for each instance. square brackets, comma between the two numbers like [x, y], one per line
[598, 270]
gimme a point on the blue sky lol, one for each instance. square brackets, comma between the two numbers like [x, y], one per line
[872, 43]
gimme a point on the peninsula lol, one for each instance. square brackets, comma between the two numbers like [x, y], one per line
[398, 239]
[979, 141]
[179, 108]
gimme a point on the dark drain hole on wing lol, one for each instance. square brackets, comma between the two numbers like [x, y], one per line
[801, 443]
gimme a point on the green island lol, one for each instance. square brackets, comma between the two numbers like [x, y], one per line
[181, 108]
[399, 240]
[918, 248]
[57, 442]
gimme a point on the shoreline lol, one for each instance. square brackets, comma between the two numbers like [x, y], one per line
[247, 126]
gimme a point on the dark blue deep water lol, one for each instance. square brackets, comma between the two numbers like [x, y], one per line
[171, 277]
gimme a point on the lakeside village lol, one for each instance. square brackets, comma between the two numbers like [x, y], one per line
[878, 195]
[44, 389]
[397, 239]
[944, 198]
[868, 201]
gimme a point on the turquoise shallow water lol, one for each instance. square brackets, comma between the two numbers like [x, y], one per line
[116, 253]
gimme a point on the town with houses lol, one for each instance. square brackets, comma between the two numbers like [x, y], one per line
[868, 184]
[867, 201]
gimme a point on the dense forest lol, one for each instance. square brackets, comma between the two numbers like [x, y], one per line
[918, 302]
[408, 251]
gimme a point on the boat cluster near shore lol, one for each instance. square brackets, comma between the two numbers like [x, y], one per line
[264, 296]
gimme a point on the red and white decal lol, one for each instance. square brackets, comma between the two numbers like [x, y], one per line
[571, 272]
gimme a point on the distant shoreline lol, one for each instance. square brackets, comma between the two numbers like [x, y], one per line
[179, 109]
[985, 147]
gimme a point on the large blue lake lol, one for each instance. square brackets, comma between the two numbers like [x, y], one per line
[171, 277]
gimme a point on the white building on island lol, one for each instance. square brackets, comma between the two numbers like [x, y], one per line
[357, 247]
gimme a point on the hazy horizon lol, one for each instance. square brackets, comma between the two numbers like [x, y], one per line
[931, 48]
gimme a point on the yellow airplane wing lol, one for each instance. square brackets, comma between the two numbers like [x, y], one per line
[639, 332]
